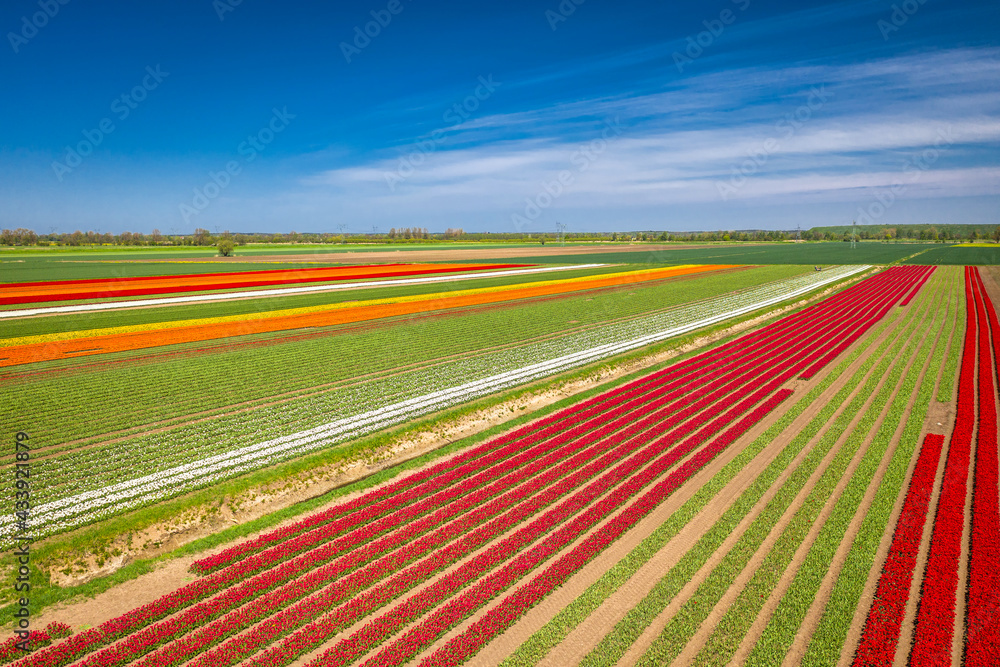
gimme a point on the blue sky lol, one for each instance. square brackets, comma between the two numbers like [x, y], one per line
[257, 115]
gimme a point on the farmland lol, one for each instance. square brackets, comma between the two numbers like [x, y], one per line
[709, 456]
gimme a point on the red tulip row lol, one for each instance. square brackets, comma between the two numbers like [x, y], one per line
[133, 286]
[478, 572]
[982, 621]
[920, 283]
[539, 473]
[885, 618]
[298, 643]
[935, 623]
[9, 650]
[918, 274]
[503, 615]
[790, 329]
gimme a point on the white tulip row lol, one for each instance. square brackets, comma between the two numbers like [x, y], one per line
[112, 498]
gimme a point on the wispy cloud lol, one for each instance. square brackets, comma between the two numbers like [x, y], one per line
[680, 143]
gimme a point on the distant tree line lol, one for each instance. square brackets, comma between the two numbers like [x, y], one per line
[204, 238]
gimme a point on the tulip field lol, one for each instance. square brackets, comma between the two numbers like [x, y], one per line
[820, 486]
[88, 480]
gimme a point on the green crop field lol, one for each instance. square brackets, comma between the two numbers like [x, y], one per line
[820, 253]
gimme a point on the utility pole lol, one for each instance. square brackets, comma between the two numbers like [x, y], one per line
[561, 232]
[854, 233]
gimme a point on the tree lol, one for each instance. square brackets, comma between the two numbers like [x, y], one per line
[996, 235]
[201, 237]
[226, 247]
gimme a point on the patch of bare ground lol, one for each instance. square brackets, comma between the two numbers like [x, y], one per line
[120, 599]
